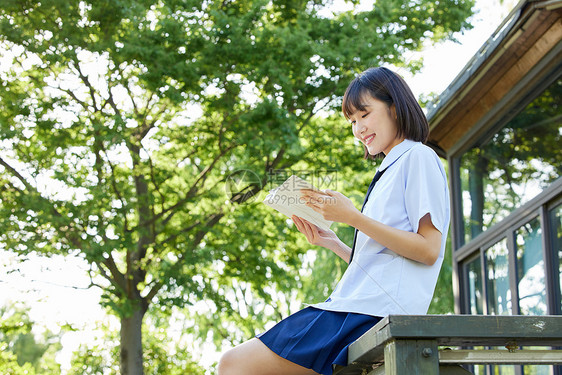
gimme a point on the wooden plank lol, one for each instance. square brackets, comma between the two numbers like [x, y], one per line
[501, 357]
[443, 370]
[448, 327]
[457, 330]
[370, 347]
[411, 357]
[400, 341]
[525, 328]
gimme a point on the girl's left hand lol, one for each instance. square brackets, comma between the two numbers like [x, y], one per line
[333, 206]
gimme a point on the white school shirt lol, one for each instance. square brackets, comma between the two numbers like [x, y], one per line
[378, 281]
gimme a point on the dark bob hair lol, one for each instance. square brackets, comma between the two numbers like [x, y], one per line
[387, 86]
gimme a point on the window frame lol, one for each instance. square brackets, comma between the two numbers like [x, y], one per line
[510, 106]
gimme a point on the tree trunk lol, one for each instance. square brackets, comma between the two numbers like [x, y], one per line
[476, 189]
[131, 343]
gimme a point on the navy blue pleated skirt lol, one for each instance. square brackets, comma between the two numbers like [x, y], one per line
[317, 339]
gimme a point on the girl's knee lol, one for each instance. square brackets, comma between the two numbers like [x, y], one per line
[229, 363]
[245, 359]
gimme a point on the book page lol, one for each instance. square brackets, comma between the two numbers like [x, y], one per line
[288, 200]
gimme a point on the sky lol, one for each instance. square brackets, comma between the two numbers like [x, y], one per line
[56, 289]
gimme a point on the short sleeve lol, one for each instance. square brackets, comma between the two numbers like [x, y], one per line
[426, 189]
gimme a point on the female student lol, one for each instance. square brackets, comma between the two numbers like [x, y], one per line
[398, 246]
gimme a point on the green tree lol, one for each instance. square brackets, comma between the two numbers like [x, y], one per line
[12, 324]
[125, 125]
[162, 354]
[443, 301]
[9, 363]
[21, 350]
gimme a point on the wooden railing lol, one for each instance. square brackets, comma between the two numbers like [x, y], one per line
[437, 344]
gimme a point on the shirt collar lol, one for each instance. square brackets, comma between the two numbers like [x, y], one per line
[396, 152]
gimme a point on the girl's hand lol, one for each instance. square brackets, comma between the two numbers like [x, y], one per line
[333, 206]
[315, 235]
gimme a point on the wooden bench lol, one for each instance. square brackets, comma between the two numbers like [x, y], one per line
[414, 344]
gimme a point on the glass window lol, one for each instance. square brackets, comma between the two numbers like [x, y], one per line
[556, 225]
[475, 294]
[527, 369]
[536, 369]
[503, 369]
[479, 369]
[497, 279]
[510, 167]
[530, 269]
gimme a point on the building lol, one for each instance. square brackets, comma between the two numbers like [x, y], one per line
[499, 125]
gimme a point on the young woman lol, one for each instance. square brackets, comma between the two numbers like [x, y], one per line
[398, 246]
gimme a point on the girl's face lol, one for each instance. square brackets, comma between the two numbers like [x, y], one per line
[376, 126]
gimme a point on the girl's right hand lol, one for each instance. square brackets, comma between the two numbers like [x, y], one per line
[315, 235]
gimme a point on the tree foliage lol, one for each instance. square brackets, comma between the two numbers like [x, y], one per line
[23, 351]
[125, 125]
[163, 355]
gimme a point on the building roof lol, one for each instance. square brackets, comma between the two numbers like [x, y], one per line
[531, 31]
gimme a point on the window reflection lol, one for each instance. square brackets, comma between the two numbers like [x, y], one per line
[503, 370]
[537, 370]
[479, 369]
[530, 269]
[497, 279]
[474, 273]
[512, 166]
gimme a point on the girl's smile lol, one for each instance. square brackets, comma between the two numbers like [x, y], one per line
[368, 139]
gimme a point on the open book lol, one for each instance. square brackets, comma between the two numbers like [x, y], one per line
[288, 200]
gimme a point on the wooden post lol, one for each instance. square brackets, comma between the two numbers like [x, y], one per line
[411, 357]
